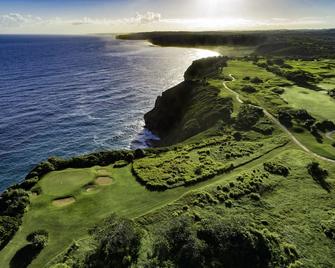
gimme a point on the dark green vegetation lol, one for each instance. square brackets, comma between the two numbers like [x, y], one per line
[297, 44]
[242, 176]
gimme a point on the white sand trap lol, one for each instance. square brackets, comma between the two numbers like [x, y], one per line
[63, 202]
[90, 188]
[103, 181]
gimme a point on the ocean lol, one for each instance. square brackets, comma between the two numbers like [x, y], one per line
[70, 95]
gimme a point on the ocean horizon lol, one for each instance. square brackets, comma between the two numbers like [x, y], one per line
[70, 95]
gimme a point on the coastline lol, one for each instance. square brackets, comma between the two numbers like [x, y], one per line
[98, 127]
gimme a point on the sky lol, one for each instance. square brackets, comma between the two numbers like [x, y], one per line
[119, 16]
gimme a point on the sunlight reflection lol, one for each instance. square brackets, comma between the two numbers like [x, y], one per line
[203, 53]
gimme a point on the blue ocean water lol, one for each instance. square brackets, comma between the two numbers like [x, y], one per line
[69, 95]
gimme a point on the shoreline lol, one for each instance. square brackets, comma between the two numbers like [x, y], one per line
[149, 143]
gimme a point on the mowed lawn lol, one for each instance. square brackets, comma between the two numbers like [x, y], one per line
[125, 196]
[240, 69]
[319, 104]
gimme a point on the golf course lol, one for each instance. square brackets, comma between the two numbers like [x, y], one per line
[245, 160]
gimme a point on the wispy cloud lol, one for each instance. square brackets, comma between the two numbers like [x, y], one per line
[17, 20]
[149, 21]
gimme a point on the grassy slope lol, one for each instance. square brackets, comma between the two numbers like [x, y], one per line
[125, 197]
[293, 207]
[320, 105]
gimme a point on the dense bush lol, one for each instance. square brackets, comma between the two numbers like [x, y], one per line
[278, 91]
[285, 118]
[118, 243]
[13, 202]
[248, 116]
[319, 175]
[215, 243]
[8, 227]
[38, 239]
[328, 228]
[249, 89]
[277, 169]
[256, 80]
[325, 126]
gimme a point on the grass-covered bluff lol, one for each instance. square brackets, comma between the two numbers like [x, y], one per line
[229, 188]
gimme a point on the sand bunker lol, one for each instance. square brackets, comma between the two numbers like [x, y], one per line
[63, 202]
[103, 181]
[90, 188]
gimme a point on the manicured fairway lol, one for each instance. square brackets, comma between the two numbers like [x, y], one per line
[69, 222]
[317, 103]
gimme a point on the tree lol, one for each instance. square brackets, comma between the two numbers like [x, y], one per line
[248, 116]
[285, 118]
[38, 239]
[118, 242]
[319, 175]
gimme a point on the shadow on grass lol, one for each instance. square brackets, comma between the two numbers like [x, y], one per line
[24, 256]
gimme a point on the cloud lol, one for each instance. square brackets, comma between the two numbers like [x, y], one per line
[149, 17]
[17, 20]
[145, 18]
[148, 21]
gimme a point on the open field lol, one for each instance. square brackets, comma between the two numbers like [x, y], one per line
[318, 104]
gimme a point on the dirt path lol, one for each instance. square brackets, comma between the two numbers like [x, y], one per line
[275, 120]
[330, 134]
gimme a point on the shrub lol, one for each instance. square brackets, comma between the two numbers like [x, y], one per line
[256, 80]
[232, 244]
[13, 202]
[178, 244]
[8, 227]
[328, 228]
[248, 116]
[285, 118]
[319, 175]
[276, 169]
[325, 126]
[38, 239]
[249, 89]
[278, 91]
[118, 242]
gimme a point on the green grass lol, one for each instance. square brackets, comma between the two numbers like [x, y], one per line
[291, 207]
[324, 149]
[190, 164]
[231, 51]
[316, 103]
[264, 96]
[125, 197]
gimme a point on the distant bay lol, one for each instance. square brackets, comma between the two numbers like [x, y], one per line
[70, 95]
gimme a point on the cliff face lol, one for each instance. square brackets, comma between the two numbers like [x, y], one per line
[186, 110]
[190, 107]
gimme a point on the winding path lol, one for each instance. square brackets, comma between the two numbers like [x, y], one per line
[275, 120]
[330, 134]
